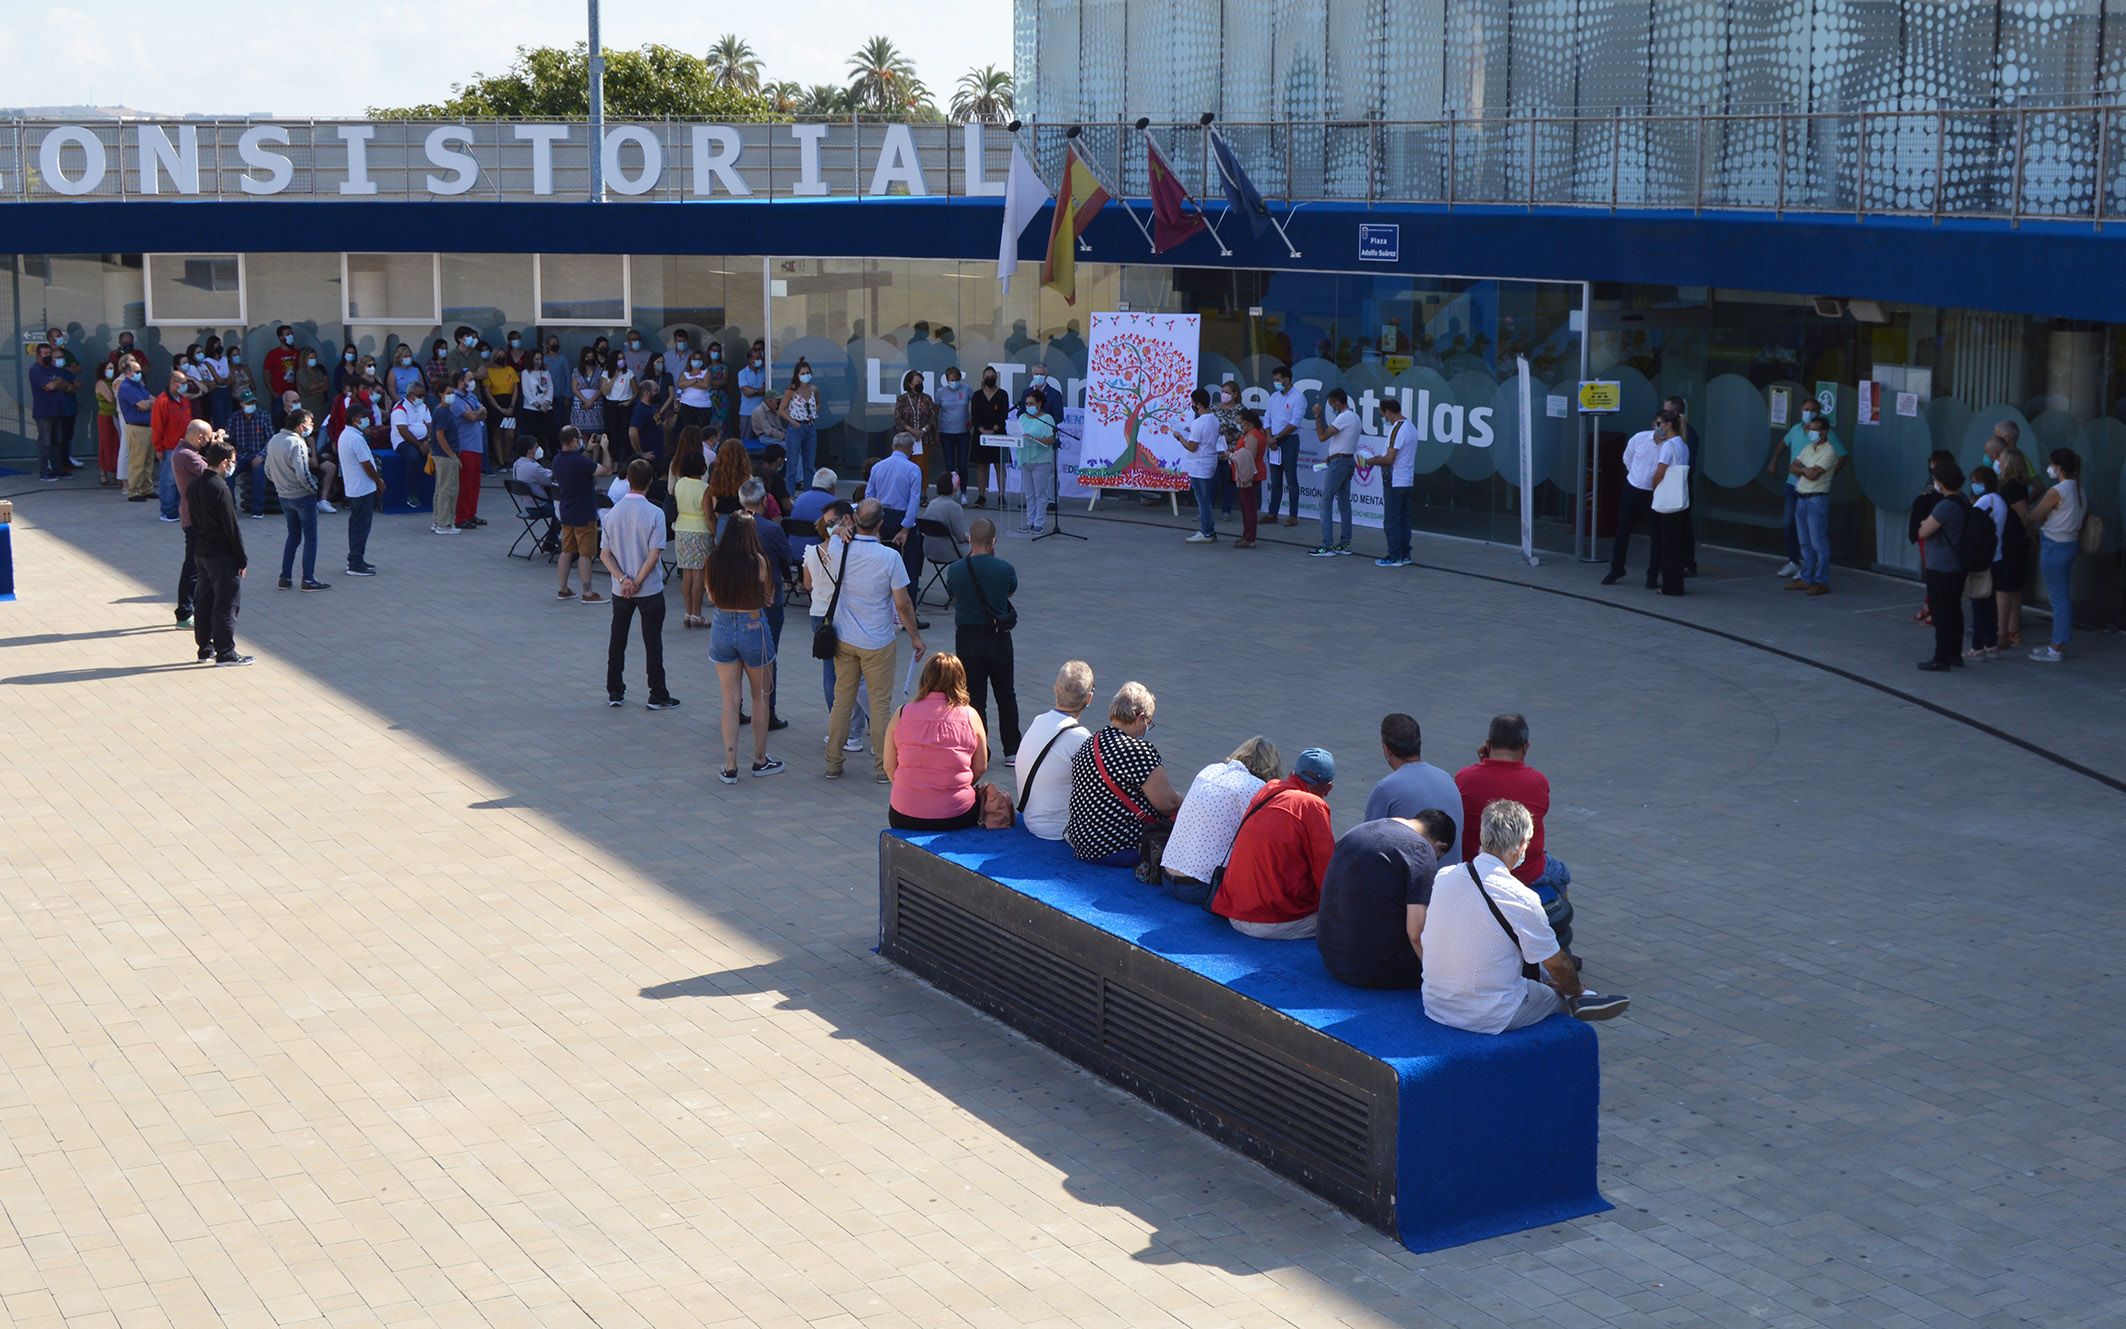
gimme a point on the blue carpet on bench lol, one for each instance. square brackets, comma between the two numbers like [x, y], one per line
[1496, 1133]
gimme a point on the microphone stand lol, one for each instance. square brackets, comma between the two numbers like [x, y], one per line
[1055, 489]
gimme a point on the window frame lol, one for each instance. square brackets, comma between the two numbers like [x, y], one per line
[147, 292]
[435, 293]
[627, 295]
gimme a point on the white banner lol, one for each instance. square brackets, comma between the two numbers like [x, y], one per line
[1140, 370]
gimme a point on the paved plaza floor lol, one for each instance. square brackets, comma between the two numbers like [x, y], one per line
[397, 980]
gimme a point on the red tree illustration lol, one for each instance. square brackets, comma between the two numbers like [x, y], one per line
[1139, 382]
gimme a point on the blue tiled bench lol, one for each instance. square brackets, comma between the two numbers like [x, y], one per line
[1435, 1136]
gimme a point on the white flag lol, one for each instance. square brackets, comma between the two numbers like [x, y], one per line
[1023, 196]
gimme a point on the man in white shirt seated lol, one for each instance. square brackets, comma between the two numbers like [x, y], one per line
[1041, 769]
[1485, 934]
[1210, 815]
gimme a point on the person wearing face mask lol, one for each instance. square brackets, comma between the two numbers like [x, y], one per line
[602, 352]
[752, 386]
[170, 417]
[517, 352]
[1781, 463]
[469, 421]
[586, 397]
[2057, 519]
[136, 449]
[1941, 537]
[364, 486]
[411, 424]
[313, 386]
[107, 431]
[281, 365]
[1642, 456]
[127, 345]
[645, 427]
[435, 370]
[696, 400]
[616, 385]
[1986, 501]
[954, 402]
[289, 467]
[214, 380]
[404, 373]
[186, 465]
[1809, 477]
[197, 374]
[915, 413]
[535, 391]
[501, 392]
[1281, 416]
[241, 380]
[1225, 407]
[719, 390]
[987, 413]
[248, 433]
[464, 352]
[800, 412]
[52, 404]
[218, 557]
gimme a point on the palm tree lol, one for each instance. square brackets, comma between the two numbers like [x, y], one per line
[785, 97]
[822, 100]
[878, 75]
[733, 65]
[983, 94]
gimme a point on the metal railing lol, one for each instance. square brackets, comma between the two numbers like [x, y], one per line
[2028, 162]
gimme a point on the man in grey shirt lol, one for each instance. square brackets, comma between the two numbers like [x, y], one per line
[288, 468]
[1411, 785]
[633, 549]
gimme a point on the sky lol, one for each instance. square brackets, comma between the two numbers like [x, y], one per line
[75, 56]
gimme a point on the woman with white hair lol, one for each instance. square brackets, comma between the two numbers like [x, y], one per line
[1485, 940]
[1211, 813]
[1117, 785]
[1041, 766]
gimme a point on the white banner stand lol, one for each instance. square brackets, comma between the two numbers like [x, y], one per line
[1527, 465]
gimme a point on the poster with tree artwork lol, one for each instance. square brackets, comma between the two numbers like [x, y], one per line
[1140, 370]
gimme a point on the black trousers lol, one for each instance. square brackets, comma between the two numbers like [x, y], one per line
[1636, 509]
[987, 654]
[1671, 543]
[625, 608]
[214, 626]
[187, 581]
[911, 552]
[1945, 605]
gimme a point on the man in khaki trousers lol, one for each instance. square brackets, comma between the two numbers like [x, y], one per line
[135, 404]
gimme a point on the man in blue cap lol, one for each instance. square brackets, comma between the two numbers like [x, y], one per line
[1271, 887]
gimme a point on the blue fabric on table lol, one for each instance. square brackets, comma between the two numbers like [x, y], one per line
[1496, 1133]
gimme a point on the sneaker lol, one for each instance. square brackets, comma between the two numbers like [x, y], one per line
[834, 775]
[764, 769]
[662, 704]
[611, 700]
[856, 745]
[1341, 551]
[482, 521]
[54, 477]
[232, 659]
[443, 530]
[1593, 1006]
[326, 508]
[1406, 562]
[364, 571]
[728, 776]
[881, 778]
[1322, 552]
[205, 655]
[1788, 569]
[50, 478]
[2047, 655]
[285, 584]
[1199, 538]
[256, 516]
[184, 621]
[310, 584]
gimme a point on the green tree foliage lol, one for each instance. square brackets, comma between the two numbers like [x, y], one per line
[882, 80]
[733, 64]
[553, 83]
[983, 94]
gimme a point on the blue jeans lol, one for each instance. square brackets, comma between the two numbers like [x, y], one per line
[860, 721]
[166, 486]
[1791, 526]
[360, 512]
[958, 461]
[1813, 516]
[252, 467]
[301, 515]
[802, 442]
[1335, 490]
[1395, 519]
[2055, 559]
[1205, 492]
[1284, 482]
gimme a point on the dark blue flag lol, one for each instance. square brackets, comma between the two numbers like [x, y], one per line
[1240, 192]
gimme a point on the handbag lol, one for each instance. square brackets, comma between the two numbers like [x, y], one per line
[1979, 585]
[1003, 622]
[1153, 828]
[826, 642]
[995, 805]
[1673, 493]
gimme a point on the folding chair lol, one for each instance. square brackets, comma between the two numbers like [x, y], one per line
[803, 535]
[925, 528]
[541, 526]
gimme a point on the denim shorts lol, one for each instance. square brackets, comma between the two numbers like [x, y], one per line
[740, 637]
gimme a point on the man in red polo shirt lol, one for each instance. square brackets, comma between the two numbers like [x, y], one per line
[1272, 882]
[168, 418]
[280, 366]
[1502, 771]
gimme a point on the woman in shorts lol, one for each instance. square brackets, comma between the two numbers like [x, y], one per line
[741, 585]
[690, 528]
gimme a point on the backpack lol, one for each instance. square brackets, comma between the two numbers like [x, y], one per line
[1974, 544]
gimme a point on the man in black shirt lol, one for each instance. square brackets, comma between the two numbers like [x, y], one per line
[982, 586]
[1373, 899]
[218, 551]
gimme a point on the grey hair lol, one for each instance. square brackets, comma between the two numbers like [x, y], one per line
[1507, 827]
[1133, 701]
[752, 493]
[904, 441]
[1074, 685]
[1259, 755]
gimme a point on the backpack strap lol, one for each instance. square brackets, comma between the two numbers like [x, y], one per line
[1026, 789]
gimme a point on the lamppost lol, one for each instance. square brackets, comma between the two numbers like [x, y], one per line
[597, 72]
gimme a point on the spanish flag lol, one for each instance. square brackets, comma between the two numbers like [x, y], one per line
[1079, 198]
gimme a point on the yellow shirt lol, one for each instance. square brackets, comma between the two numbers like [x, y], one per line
[1817, 454]
[501, 380]
[687, 495]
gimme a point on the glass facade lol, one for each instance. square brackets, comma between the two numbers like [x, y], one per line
[1447, 345]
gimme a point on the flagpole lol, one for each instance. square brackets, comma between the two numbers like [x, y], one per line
[1130, 212]
[1291, 249]
[1144, 123]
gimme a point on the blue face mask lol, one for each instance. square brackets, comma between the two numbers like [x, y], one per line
[1978, 488]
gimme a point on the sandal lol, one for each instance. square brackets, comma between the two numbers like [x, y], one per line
[1925, 615]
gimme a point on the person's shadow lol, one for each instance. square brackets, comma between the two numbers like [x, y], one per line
[103, 675]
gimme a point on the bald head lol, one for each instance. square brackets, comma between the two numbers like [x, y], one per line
[198, 432]
[870, 515]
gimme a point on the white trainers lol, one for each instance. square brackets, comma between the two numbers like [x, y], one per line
[326, 508]
[1788, 570]
[444, 530]
[2047, 655]
[1199, 538]
[855, 745]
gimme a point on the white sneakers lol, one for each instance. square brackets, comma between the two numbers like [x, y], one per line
[326, 508]
[2047, 655]
[1788, 569]
[1199, 538]
[444, 530]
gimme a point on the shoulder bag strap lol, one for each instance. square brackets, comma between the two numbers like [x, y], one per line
[1217, 881]
[836, 598]
[1100, 765]
[983, 600]
[1493, 906]
[1026, 788]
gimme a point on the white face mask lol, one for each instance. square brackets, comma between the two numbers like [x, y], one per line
[538, 454]
[2053, 473]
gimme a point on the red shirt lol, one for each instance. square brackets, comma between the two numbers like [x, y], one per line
[1279, 857]
[280, 369]
[168, 419]
[1486, 783]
